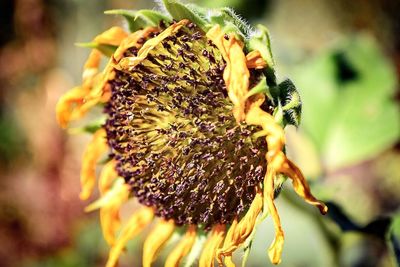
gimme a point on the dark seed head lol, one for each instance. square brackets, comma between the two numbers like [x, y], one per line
[175, 140]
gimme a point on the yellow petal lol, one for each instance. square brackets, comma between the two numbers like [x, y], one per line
[237, 235]
[275, 135]
[110, 223]
[275, 250]
[91, 67]
[236, 74]
[66, 103]
[183, 248]
[107, 177]
[128, 63]
[156, 240]
[228, 261]
[210, 248]
[135, 225]
[112, 36]
[301, 186]
[91, 155]
[228, 238]
[132, 40]
[254, 60]
[109, 212]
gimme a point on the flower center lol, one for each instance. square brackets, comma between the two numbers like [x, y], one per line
[172, 132]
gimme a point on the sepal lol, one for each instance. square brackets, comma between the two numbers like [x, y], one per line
[259, 40]
[180, 11]
[230, 22]
[139, 19]
[290, 102]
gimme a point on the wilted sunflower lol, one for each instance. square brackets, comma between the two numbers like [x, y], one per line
[193, 130]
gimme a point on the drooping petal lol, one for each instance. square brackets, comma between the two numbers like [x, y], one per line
[94, 150]
[109, 216]
[277, 163]
[110, 204]
[228, 237]
[301, 186]
[135, 225]
[214, 242]
[110, 223]
[275, 157]
[91, 67]
[275, 250]
[254, 60]
[66, 103]
[182, 249]
[112, 36]
[156, 240]
[228, 261]
[107, 177]
[75, 103]
[237, 235]
[236, 74]
[128, 63]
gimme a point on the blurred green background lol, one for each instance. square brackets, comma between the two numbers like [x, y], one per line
[344, 57]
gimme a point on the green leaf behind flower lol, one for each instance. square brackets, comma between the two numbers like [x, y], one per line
[350, 114]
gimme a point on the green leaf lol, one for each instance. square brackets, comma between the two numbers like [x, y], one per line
[107, 50]
[353, 117]
[260, 41]
[90, 127]
[394, 239]
[153, 16]
[261, 87]
[180, 11]
[139, 19]
[229, 21]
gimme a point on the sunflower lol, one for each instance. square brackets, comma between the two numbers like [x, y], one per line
[193, 130]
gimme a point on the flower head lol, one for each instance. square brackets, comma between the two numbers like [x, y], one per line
[193, 131]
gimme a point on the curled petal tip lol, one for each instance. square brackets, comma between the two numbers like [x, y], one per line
[323, 209]
[275, 250]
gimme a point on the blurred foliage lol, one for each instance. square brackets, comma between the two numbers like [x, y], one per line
[348, 99]
[394, 238]
[249, 9]
[86, 250]
[12, 140]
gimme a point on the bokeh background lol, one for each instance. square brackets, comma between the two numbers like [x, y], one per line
[344, 57]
